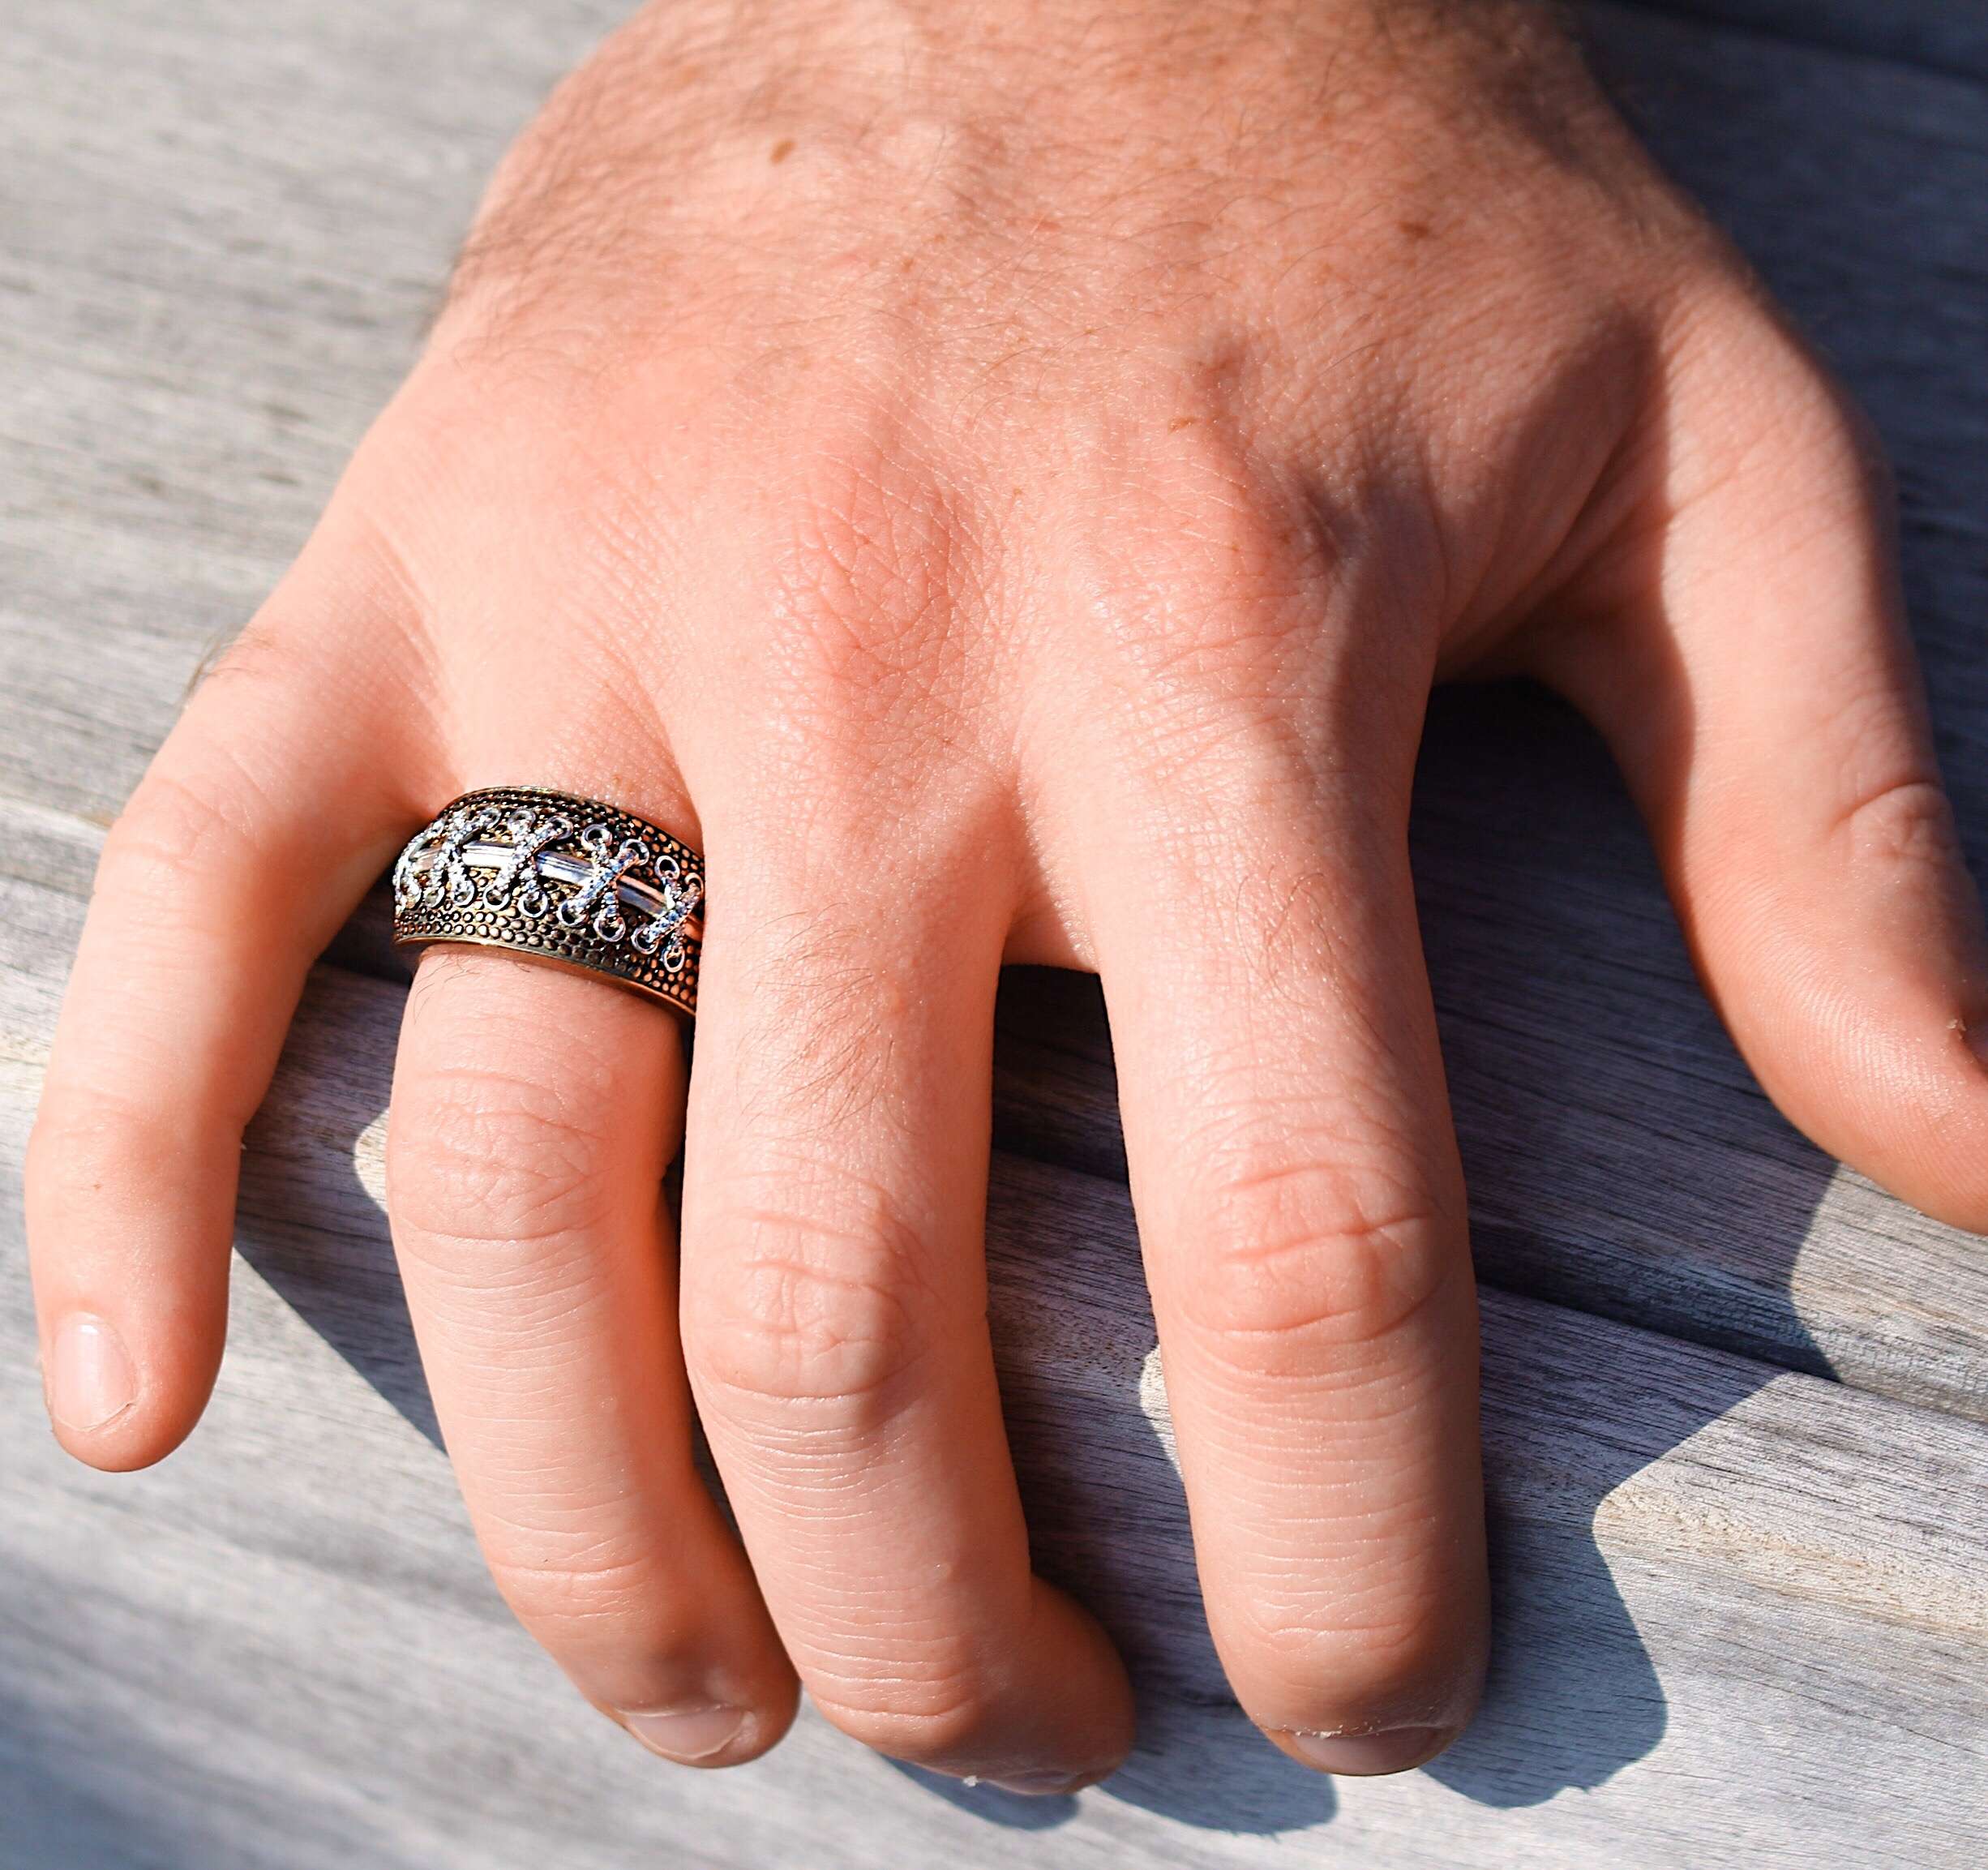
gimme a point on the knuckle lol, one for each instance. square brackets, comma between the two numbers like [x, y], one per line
[1901, 823]
[1790, 427]
[931, 1717]
[1887, 810]
[1244, 552]
[579, 1592]
[604, 1617]
[1289, 1262]
[807, 1310]
[85, 1142]
[495, 1157]
[1831, 430]
[870, 565]
[1218, 589]
[178, 826]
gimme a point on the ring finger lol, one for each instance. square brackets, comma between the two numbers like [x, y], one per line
[534, 1113]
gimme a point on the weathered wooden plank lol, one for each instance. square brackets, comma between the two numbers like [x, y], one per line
[192, 340]
[1717, 1586]
[1740, 1616]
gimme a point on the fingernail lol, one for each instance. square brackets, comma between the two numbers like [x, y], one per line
[1393, 1752]
[89, 1378]
[686, 1735]
[1044, 1785]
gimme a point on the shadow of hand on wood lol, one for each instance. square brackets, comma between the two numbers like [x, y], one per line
[312, 1219]
[1574, 1697]
[1527, 848]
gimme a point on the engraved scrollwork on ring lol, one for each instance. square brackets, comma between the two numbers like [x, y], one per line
[549, 874]
[530, 837]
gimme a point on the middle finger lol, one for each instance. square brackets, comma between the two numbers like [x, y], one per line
[835, 1307]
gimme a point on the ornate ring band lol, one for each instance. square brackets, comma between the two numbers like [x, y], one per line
[564, 878]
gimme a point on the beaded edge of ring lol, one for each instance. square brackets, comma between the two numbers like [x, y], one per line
[561, 878]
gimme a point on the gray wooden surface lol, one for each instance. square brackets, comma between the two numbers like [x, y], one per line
[1735, 1399]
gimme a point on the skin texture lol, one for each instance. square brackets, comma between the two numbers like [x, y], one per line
[1002, 481]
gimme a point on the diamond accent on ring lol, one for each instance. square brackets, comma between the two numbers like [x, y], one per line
[567, 878]
[530, 838]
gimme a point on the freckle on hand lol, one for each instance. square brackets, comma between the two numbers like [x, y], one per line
[783, 149]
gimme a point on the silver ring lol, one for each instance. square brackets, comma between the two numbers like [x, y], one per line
[561, 878]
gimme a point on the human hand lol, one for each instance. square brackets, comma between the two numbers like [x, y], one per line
[1002, 484]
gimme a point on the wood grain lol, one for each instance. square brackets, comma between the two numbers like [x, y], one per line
[196, 340]
[1718, 1585]
[1740, 1615]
